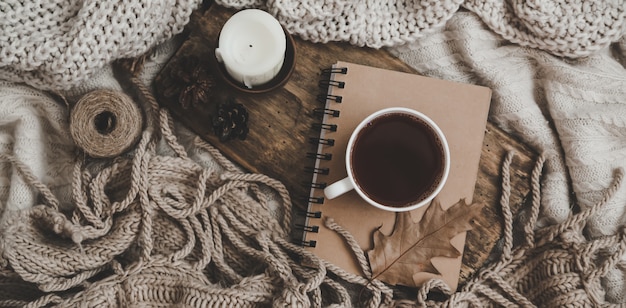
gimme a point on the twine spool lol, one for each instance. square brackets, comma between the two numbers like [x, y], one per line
[105, 123]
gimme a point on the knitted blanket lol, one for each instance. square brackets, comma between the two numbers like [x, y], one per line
[168, 222]
[572, 110]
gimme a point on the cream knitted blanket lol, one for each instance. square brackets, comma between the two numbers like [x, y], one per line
[571, 109]
[557, 70]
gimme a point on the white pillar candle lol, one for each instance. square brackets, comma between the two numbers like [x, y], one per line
[252, 47]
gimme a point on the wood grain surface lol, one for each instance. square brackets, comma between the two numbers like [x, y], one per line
[281, 124]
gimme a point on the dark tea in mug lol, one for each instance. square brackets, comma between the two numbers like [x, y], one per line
[398, 160]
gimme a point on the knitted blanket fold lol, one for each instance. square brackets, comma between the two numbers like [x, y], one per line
[564, 28]
[56, 45]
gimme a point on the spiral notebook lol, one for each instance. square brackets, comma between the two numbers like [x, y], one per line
[353, 92]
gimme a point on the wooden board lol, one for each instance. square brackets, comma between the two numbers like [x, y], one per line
[281, 124]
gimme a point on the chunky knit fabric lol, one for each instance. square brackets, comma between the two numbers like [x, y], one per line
[371, 23]
[59, 44]
[565, 28]
[363, 23]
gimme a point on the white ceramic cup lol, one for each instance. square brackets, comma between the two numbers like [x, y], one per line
[430, 186]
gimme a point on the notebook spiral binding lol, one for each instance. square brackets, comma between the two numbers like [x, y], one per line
[325, 83]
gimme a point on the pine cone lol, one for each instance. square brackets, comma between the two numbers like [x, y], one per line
[190, 82]
[230, 121]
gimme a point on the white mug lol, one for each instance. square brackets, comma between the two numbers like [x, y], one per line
[397, 160]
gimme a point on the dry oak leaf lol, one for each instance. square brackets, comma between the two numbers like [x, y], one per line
[410, 247]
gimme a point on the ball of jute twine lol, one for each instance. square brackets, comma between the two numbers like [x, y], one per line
[105, 123]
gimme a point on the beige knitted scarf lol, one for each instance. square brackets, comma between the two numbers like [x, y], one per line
[151, 229]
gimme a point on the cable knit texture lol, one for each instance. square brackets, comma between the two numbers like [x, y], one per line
[58, 44]
[571, 110]
[33, 127]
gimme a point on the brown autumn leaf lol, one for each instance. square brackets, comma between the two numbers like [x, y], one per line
[410, 247]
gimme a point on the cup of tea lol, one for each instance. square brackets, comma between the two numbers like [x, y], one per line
[397, 159]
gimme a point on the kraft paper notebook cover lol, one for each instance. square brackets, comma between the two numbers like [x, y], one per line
[355, 91]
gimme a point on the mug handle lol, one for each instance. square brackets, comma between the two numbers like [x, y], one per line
[338, 188]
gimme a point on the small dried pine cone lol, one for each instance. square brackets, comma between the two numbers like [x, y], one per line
[231, 121]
